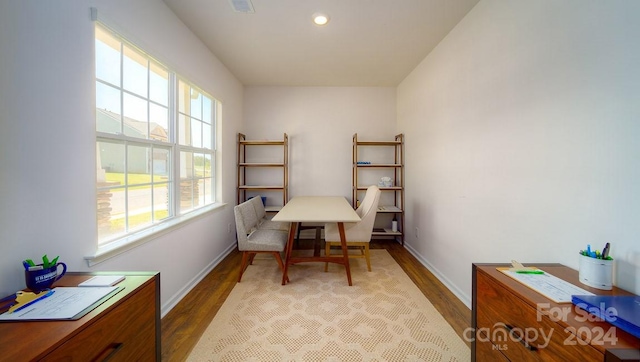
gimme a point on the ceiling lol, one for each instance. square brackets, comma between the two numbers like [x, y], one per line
[365, 43]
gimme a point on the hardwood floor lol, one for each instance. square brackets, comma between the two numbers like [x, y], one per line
[185, 323]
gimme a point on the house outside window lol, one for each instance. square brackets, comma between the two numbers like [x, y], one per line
[155, 146]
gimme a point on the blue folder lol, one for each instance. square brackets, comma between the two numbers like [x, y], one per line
[622, 311]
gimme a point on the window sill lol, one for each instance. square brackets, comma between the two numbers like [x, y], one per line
[129, 242]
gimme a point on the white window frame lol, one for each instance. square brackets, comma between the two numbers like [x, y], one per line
[177, 217]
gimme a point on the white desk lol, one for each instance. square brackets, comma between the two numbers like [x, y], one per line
[316, 209]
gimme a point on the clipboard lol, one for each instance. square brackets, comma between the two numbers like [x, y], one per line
[552, 287]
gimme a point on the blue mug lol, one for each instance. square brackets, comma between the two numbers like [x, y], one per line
[42, 279]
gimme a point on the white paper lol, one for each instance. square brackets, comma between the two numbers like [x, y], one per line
[64, 303]
[554, 288]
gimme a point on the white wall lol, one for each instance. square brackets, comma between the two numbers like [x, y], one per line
[47, 139]
[320, 122]
[522, 139]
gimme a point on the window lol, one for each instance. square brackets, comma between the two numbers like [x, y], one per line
[195, 128]
[155, 137]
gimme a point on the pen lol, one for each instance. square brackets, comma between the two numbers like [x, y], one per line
[33, 301]
[26, 265]
[529, 271]
[7, 302]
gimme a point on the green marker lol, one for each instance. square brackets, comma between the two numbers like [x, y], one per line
[529, 271]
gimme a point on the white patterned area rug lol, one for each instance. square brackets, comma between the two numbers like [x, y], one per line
[318, 317]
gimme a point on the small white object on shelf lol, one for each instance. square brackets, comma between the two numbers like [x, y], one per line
[102, 281]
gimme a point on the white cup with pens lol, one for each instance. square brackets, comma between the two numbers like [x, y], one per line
[596, 269]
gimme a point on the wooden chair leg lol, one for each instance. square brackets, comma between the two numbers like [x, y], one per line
[327, 252]
[364, 250]
[247, 259]
[244, 264]
[367, 256]
[276, 254]
[298, 235]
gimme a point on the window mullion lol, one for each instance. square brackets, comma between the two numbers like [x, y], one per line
[121, 86]
[153, 184]
[175, 154]
[150, 152]
[148, 99]
[126, 185]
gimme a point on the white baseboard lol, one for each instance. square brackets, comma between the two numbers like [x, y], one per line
[464, 298]
[176, 298]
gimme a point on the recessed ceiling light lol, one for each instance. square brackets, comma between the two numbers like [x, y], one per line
[320, 19]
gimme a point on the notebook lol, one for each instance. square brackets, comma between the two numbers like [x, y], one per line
[623, 311]
[102, 281]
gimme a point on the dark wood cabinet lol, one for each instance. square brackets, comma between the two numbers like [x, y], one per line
[512, 322]
[126, 327]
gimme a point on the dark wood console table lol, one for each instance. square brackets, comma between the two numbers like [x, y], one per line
[512, 322]
[126, 327]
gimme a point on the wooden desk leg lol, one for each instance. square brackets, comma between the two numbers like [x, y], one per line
[345, 251]
[288, 248]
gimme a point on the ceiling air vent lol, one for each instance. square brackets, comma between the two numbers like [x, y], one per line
[242, 6]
